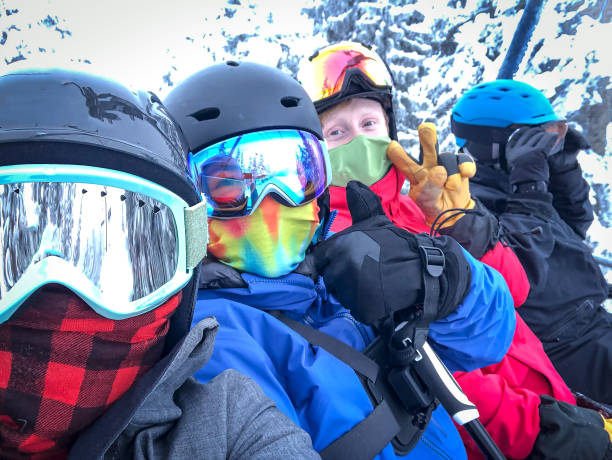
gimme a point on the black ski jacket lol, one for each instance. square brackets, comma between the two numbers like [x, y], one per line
[546, 231]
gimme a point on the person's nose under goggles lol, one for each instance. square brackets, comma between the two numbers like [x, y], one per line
[120, 242]
[236, 174]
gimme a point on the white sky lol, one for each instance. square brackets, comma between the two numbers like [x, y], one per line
[138, 41]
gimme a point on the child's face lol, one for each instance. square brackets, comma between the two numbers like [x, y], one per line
[351, 118]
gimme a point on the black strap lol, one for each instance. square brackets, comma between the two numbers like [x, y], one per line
[433, 266]
[348, 355]
[370, 436]
[528, 187]
[366, 439]
[480, 133]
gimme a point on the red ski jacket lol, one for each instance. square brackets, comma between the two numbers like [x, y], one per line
[507, 394]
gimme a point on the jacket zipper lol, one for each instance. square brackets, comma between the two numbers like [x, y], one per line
[328, 224]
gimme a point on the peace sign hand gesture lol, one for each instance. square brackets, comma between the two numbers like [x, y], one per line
[441, 181]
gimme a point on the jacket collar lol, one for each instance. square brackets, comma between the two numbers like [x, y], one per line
[390, 186]
[400, 209]
[491, 186]
[387, 189]
[294, 292]
[156, 387]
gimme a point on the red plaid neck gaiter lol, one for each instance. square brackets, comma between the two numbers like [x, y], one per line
[62, 365]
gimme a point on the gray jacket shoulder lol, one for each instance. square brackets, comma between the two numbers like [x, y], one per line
[228, 417]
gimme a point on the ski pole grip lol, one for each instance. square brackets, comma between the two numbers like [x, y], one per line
[443, 385]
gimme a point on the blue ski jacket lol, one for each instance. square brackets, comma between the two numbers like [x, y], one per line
[317, 391]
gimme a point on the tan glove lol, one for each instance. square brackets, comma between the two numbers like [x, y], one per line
[608, 426]
[441, 182]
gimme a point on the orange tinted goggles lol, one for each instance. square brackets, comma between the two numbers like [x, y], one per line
[329, 66]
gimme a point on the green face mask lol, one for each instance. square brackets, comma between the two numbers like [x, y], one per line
[363, 159]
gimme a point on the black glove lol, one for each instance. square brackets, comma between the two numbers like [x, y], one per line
[527, 151]
[568, 431]
[375, 268]
[566, 159]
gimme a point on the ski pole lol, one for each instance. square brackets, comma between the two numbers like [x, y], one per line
[443, 386]
[585, 401]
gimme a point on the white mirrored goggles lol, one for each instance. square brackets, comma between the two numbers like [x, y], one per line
[120, 242]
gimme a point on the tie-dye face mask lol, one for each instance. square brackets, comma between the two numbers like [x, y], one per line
[271, 242]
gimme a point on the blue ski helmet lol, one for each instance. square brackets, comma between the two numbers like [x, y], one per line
[487, 113]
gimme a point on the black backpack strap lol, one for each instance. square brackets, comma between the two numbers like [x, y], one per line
[348, 355]
[366, 439]
[370, 436]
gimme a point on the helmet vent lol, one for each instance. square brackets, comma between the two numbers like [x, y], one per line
[290, 101]
[233, 63]
[497, 98]
[524, 95]
[504, 89]
[209, 113]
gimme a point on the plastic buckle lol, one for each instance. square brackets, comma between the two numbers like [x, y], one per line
[530, 187]
[408, 336]
[419, 336]
[433, 259]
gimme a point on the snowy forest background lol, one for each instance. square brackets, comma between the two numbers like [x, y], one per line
[435, 49]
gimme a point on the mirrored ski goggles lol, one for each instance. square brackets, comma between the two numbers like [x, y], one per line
[120, 242]
[557, 127]
[236, 174]
[329, 67]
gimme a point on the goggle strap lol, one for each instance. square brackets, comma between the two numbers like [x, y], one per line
[196, 234]
[480, 133]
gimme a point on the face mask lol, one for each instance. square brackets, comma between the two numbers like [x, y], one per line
[62, 365]
[271, 242]
[363, 159]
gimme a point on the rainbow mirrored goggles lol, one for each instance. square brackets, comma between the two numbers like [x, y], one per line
[236, 174]
[121, 243]
[331, 67]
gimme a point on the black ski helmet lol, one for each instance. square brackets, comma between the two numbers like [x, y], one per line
[66, 117]
[234, 98]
